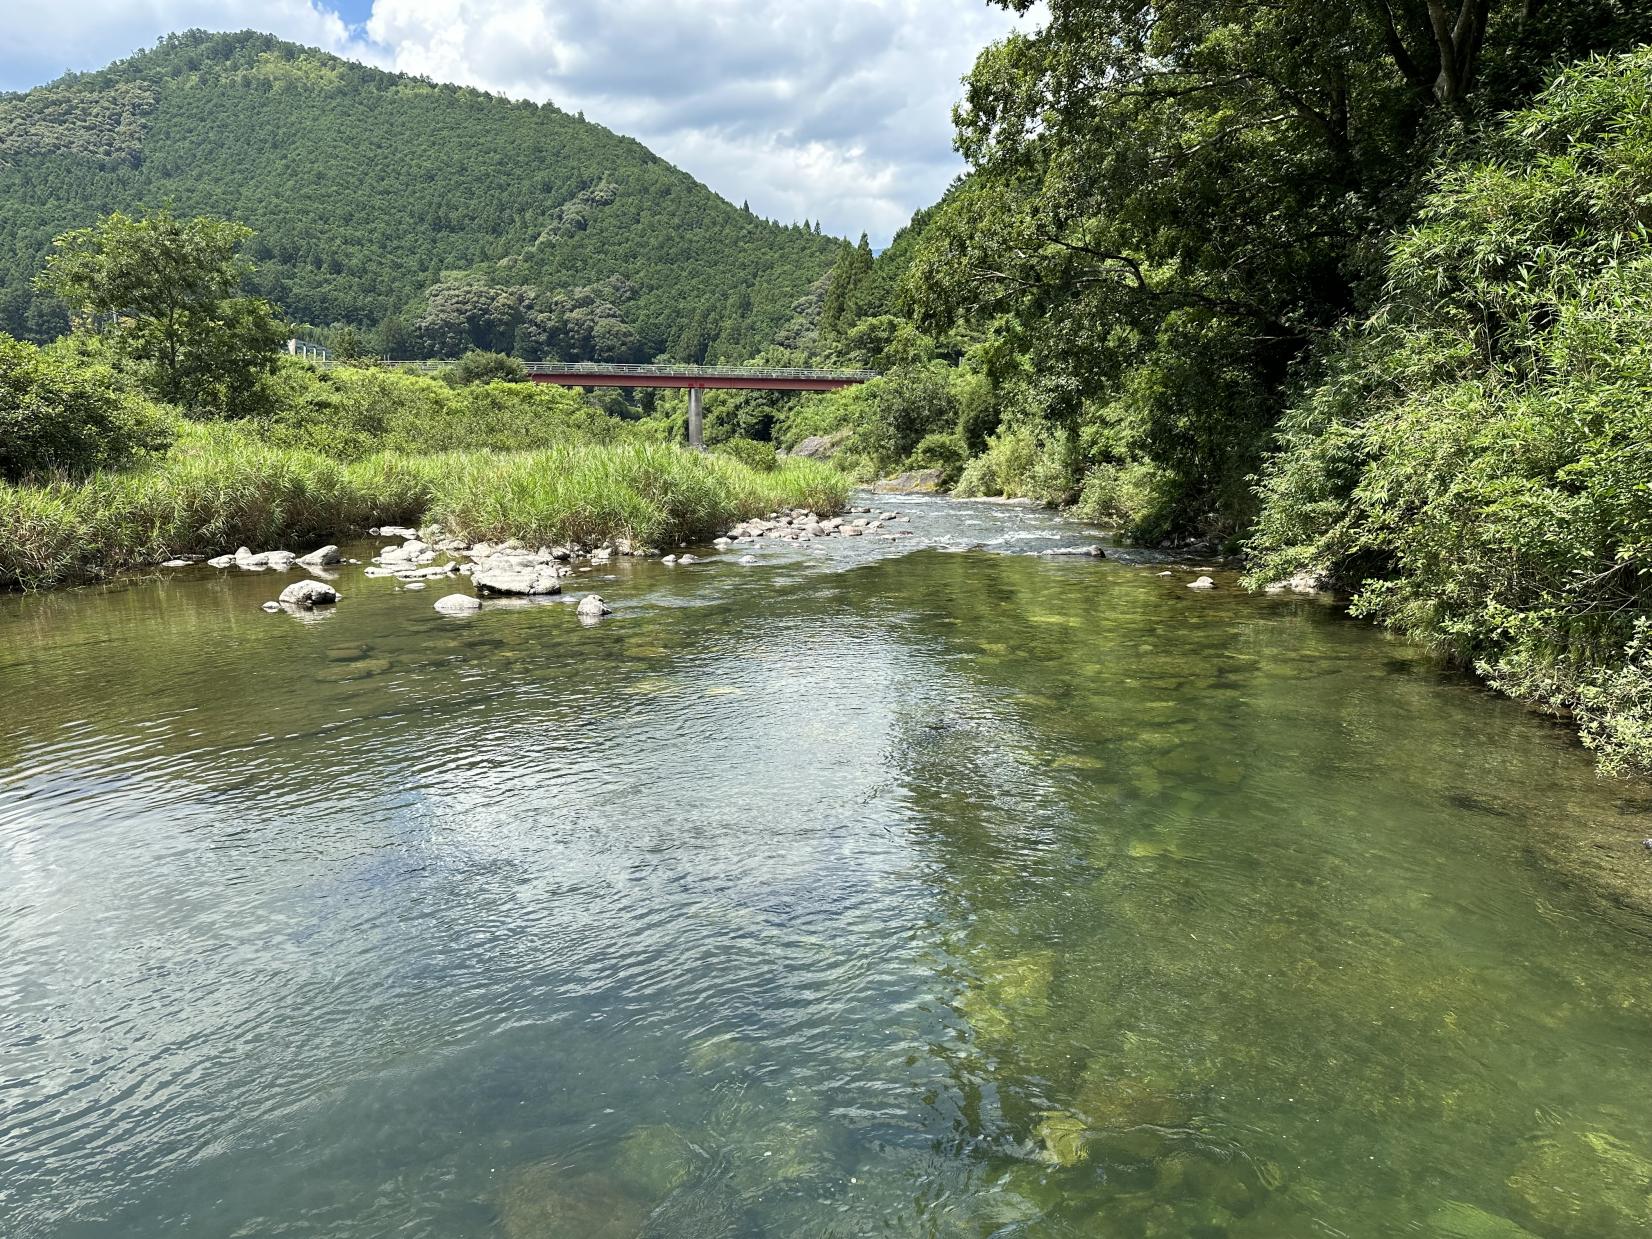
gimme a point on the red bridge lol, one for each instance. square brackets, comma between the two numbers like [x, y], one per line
[696, 379]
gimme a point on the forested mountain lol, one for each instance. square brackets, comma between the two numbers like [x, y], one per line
[368, 189]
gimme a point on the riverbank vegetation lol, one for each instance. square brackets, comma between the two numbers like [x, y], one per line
[1353, 293]
[173, 428]
[219, 487]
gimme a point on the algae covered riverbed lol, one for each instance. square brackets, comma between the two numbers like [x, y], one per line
[931, 888]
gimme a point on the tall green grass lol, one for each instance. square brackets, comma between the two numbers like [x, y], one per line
[220, 488]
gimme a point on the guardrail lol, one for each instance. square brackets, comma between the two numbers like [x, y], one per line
[690, 371]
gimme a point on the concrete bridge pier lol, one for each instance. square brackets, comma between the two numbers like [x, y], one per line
[696, 419]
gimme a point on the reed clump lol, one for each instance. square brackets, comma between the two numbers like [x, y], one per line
[221, 487]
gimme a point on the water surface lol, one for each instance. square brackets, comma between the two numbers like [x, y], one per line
[928, 887]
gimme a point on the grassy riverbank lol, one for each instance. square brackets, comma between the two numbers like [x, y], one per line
[221, 487]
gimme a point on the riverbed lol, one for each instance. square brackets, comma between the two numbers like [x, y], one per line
[924, 886]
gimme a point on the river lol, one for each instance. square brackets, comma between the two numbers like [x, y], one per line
[918, 887]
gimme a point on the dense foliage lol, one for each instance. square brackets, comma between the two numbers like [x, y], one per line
[1171, 206]
[366, 189]
[1477, 463]
[64, 413]
[166, 293]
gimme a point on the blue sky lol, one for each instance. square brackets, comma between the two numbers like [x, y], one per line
[837, 110]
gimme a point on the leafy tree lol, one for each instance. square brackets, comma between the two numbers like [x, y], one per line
[479, 367]
[167, 291]
[62, 412]
[1170, 206]
[849, 288]
[1474, 461]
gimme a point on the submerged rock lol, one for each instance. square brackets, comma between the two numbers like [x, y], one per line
[545, 1200]
[271, 607]
[1062, 1138]
[458, 604]
[309, 594]
[1203, 582]
[1584, 1183]
[1456, 1220]
[655, 1159]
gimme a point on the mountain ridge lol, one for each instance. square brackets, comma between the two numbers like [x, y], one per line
[367, 188]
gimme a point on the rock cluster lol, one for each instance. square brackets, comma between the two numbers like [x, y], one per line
[801, 525]
[279, 561]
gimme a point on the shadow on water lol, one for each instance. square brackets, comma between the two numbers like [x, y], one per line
[856, 893]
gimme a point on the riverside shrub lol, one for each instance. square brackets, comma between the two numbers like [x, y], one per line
[1476, 464]
[61, 413]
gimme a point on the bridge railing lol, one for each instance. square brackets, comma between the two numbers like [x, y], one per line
[689, 371]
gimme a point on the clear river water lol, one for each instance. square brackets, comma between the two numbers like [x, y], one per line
[931, 887]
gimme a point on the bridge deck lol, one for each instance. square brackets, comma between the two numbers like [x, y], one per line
[745, 378]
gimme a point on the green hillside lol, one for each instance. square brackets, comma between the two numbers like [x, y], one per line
[367, 188]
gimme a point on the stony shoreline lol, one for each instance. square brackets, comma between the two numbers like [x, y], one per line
[512, 570]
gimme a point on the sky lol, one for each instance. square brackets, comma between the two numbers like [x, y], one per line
[830, 110]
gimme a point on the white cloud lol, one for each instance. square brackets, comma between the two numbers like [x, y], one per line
[45, 40]
[837, 110]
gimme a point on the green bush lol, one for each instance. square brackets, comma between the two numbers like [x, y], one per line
[1477, 462]
[1020, 463]
[945, 452]
[754, 455]
[478, 366]
[348, 412]
[1128, 495]
[64, 413]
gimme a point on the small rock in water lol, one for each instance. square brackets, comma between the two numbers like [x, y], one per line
[688, 559]
[1203, 582]
[458, 604]
[272, 607]
[592, 608]
[321, 558]
[309, 594]
[414, 585]
[178, 563]
[669, 559]
[748, 559]
[280, 560]
[504, 573]
[221, 561]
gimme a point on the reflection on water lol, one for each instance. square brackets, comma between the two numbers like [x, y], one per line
[849, 893]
